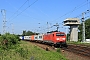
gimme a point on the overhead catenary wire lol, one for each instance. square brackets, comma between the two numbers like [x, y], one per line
[18, 9]
[21, 11]
[88, 4]
[78, 7]
[57, 19]
[69, 13]
[25, 9]
[86, 12]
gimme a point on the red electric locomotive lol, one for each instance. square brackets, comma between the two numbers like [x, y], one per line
[56, 38]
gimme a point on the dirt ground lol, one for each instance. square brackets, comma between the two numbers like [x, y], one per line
[73, 56]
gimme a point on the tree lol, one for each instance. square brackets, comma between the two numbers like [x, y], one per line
[7, 41]
[68, 37]
[87, 29]
[24, 32]
[27, 33]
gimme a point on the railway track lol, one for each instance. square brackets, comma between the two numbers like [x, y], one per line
[45, 46]
[76, 49]
[79, 50]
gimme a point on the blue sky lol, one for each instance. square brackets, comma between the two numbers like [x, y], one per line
[34, 14]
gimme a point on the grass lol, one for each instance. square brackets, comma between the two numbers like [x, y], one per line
[27, 51]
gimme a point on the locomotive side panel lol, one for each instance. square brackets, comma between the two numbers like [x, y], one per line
[47, 38]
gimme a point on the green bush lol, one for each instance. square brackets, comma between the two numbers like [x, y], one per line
[22, 52]
[7, 41]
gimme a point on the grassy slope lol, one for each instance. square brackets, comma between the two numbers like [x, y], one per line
[26, 51]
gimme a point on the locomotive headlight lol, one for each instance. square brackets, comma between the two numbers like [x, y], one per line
[63, 38]
[57, 38]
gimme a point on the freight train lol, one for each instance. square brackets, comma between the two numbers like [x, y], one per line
[53, 38]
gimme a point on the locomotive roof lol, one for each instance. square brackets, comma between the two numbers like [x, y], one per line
[54, 32]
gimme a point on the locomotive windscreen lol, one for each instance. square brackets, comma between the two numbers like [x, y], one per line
[57, 34]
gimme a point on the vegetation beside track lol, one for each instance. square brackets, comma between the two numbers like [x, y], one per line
[8, 41]
[13, 49]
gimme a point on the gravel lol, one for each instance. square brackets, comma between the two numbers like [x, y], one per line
[73, 56]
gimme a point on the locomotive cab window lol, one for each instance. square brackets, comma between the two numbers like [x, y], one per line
[60, 34]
